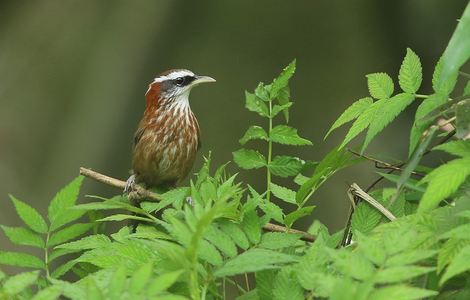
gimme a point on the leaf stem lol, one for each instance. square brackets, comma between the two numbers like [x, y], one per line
[421, 96]
[46, 256]
[270, 153]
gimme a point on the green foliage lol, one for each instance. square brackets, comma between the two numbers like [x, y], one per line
[171, 249]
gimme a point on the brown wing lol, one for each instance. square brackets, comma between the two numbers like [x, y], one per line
[138, 135]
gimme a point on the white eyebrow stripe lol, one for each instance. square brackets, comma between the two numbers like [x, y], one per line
[174, 75]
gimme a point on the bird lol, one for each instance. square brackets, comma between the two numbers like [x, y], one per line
[168, 135]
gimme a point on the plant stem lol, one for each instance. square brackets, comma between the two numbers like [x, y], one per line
[421, 96]
[46, 256]
[270, 153]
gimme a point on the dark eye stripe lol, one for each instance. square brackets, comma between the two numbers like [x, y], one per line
[183, 81]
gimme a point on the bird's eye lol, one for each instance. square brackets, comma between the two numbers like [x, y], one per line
[179, 81]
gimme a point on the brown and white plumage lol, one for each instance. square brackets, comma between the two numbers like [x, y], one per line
[168, 136]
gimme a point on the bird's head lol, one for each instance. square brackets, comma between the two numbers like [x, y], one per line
[173, 87]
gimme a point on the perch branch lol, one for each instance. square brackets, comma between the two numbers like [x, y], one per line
[148, 194]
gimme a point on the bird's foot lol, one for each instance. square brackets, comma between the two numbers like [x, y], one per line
[129, 185]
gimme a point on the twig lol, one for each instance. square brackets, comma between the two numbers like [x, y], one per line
[355, 190]
[148, 194]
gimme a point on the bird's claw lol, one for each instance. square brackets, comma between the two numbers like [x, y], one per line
[129, 184]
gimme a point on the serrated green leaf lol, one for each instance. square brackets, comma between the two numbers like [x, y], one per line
[365, 218]
[283, 193]
[411, 73]
[272, 211]
[68, 233]
[63, 269]
[254, 133]
[56, 253]
[265, 284]
[380, 85]
[252, 227]
[122, 217]
[163, 282]
[278, 240]
[284, 108]
[30, 216]
[221, 240]
[401, 292]
[459, 264]
[371, 249]
[140, 278]
[285, 166]
[457, 148]
[20, 260]
[16, 284]
[282, 80]
[255, 104]
[362, 122]
[172, 197]
[400, 273]
[385, 114]
[351, 113]
[466, 90]
[236, 233]
[49, 293]
[249, 159]
[462, 122]
[88, 242]
[410, 257]
[292, 217]
[287, 135]
[420, 125]
[411, 183]
[286, 286]
[209, 253]
[58, 210]
[23, 236]
[443, 182]
[262, 91]
[457, 51]
[117, 283]
[254, 260]
[92, 289]
[449, 250]
[352, 264]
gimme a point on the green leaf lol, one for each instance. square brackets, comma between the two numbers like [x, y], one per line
[286, 286]
[443, 182]
[449, 250]
[278, 108]
[420, 125]
[20, 260]
[209, 253]
[265, 284]
[411, 73]
[352, 264]
[221, 240]
[272, 211]
[351, 113]
[287, 135]
[30, 216]
[385, 114]
[410, 257]
[365, 218]
[401, 292]
[58, 210]
[462, 122]
[88, 242]
[68, 233]
[56, 253]
[117, 283]
[20, 282]
[262, 91]
[282, 80]
[254, 260]
[172, 197]
[23, 236]
[256, 105]
[285, 166]
[380, 85]
[235, 232]
[400, 273]
[252, 227]
[49, 293]
[460, 264]
[163, 282]
[140, 278]
[63, 269]
[278, 240]
[457, 148]
[283, 193]
[249, 159]
[122, 217]
[254, 133]
[466, 90]
[456, 53]
[362, 122]
[292, 217]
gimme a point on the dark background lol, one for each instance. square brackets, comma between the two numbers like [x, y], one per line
[73, 76]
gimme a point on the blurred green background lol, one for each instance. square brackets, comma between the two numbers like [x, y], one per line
[73, 76]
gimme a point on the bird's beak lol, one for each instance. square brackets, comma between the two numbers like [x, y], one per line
[203, 79]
